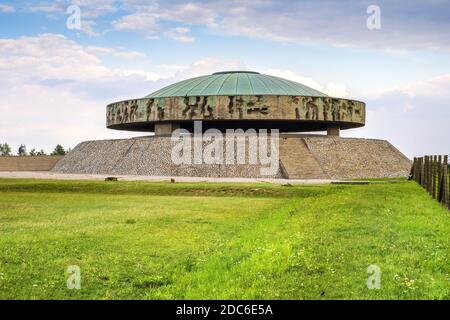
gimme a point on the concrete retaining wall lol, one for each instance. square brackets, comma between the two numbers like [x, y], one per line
[28, 163]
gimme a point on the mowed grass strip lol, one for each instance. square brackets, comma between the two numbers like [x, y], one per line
[140, 240]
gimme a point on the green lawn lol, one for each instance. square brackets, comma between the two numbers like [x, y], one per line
[143, 240]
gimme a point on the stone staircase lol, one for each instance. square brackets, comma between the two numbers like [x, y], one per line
[297, 161]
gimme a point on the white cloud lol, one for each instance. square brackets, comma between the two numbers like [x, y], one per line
[209, 65]
[180, 34]
[99, 50]
[55, 91]
[332, 88]
[190, 13]
[172, 66]
[48, 8]
[150, 76]
[89, 8]
[42, 117]
[95, 8]
[413, 117]
[437, 86]
[141, 21]
[129, 54]
[54, 57]
[150, 19]
[48, 56]
[4, 8]
[290, 75]
[87, 26]
[406, 25]
[147, 22]
[95, 50]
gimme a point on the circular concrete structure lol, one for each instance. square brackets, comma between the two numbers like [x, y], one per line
[236, 99]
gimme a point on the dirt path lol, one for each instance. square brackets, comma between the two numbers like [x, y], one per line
[63, 176]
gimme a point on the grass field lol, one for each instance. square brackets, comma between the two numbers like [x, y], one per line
[141, 240]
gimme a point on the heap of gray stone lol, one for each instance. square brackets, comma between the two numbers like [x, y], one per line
[335, 158]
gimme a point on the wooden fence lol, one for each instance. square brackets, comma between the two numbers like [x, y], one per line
[432, 173]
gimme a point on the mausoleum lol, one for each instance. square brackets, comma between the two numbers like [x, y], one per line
[242, 101]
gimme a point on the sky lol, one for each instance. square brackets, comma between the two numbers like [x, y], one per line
[57, 76]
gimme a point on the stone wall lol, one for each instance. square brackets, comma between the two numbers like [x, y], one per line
[145, 156]
[329, 157]
[351, 158]
[28, 163]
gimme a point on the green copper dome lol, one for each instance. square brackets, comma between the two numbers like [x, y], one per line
[235, 83]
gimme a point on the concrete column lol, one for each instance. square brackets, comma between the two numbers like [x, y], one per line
[166, 128]
[333, 131]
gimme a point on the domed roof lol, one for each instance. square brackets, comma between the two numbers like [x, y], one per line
[232, 83]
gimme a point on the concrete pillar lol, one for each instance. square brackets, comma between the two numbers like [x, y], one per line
[333, 131]
[166, 128]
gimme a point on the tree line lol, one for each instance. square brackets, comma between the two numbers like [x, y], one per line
[5, 150]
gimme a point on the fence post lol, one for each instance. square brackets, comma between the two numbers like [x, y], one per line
[415, 169]
[430, 175]
[434, 175]
[439, 178]
[439, 186]
[422, 170]
[427, 175]
[445, 188]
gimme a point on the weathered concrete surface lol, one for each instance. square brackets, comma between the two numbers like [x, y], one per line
[28, 163]
[301, 157]
[237, 99]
